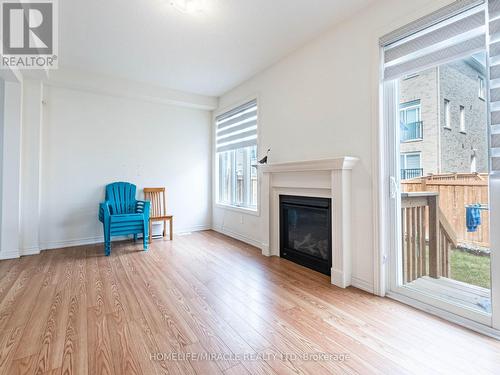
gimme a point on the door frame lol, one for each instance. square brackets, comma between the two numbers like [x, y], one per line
[389, 212]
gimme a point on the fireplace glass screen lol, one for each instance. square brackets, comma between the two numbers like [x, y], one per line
[305, 231]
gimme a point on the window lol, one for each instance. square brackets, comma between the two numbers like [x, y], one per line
[473, 163]
[482, 90]
[411, 165]
[236, 148]
[411, 125]
[447, 114]
[410, 112]
[462, 119]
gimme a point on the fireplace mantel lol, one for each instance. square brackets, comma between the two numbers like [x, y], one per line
[329, 178]
[346, 162]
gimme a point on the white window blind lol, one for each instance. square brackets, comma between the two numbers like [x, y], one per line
[450, 33]
[494, 60]
[237, 128]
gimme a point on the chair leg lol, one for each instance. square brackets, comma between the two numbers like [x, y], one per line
[146, 235]
[171, 229]
[164, 228]
[107, 242]
[107, 249]
[135, 237]
[150, 231]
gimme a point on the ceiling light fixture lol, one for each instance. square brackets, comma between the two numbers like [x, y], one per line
[189, 6]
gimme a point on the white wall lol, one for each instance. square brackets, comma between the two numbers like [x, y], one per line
[2, 99]
[11, 170]
[92, 139]
[30, 167]
[321, 102]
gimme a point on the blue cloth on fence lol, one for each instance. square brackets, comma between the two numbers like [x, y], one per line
[473, 217]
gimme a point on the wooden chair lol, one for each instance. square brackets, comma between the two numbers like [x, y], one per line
[158, 209]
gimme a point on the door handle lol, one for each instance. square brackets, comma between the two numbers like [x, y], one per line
[394, 188]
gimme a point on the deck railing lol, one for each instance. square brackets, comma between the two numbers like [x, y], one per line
[407, 174]
[427, 237]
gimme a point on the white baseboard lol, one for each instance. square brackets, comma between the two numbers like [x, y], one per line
[9, 254]
[238, 236]
[33, 250]
[196, 228]
[13, 254]
[100, 239]
[339, 279]
[362, 284]
[266, 251]
[74, 242]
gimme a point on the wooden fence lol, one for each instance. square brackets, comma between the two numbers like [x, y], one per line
[456, 191]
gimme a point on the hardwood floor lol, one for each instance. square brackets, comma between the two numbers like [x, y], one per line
[74, 311]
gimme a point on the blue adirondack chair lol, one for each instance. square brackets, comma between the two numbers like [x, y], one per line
[122, 214]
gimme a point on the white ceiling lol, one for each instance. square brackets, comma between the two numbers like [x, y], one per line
[209, 53]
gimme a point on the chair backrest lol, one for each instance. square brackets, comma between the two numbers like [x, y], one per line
[158, 201]
[121, 196]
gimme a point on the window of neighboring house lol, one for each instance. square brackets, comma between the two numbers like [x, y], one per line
[411, 124]
[462, 119]
[236, 155]
[447, 114]
[411, 166]
[482, 90]
[473, 163]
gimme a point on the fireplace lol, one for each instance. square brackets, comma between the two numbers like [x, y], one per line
[306, 231]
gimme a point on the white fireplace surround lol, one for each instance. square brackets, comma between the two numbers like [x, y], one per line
[326, 178]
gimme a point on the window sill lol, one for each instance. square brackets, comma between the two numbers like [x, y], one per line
[248, 211]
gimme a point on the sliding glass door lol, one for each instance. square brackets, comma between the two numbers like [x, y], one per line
[436, 114]
[443, 182]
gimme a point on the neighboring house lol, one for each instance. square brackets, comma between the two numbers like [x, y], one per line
[443, 120]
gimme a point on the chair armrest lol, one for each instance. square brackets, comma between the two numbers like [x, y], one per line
[104, 211]
[142, 207]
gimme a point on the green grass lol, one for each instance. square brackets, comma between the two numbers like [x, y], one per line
[471, 269]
